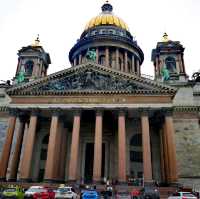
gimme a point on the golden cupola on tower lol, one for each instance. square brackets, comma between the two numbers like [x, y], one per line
[106, 17]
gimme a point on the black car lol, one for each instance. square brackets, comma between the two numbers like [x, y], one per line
[150, 192]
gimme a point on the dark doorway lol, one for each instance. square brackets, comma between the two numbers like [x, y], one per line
[89, 159]
[89, 162]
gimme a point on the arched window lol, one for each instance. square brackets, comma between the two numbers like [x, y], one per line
[171, 64]
[29, 67]
[102, 59]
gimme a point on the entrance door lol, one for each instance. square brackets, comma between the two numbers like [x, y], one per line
[89, 159]
[89, 162]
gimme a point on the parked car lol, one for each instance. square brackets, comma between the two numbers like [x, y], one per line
[32, 190]
[13, 192]
[149, 192]
[90, 194]
[135, 194]
[182, 195]
[45, 193]
[66, 192]
[1, 191]
[123, 195]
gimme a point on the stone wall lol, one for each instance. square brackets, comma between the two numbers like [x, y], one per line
[3, 127]
[187, 131]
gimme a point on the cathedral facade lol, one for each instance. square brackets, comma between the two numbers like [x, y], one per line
[100, 118]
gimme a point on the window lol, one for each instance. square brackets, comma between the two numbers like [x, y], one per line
[102, 60]
[29, 67]
[171, 64]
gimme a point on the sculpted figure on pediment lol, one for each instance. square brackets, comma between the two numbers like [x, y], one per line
[90, 79]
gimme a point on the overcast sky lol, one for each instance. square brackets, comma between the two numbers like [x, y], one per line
[61, 22]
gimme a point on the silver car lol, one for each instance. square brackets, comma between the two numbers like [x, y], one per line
[66, 192]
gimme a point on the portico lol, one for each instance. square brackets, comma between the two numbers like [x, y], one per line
[75, 170]
[85, 134]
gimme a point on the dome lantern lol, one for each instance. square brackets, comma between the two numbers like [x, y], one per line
[107, 7]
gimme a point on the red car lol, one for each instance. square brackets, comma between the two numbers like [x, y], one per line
[45, 193]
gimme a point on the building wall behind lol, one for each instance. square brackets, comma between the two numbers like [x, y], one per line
[3, 127]
[187, 133]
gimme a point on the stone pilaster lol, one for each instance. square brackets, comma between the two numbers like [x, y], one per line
[17, 151]
[28, 148]
[97, 55]
[7, 145]
[75, 61]
[133, 64]
[80, 59]
[138, 67]
[146, 146]
[117, 58]
[74, 147]
[98, 147]
[121, 147]
[126, 61]
[107, 56]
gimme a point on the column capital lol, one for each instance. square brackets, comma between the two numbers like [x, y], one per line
[23, 118]
[144, 111]
[56, 111]
[35, 111]
[122, 112]
[167, 111]
[99, 112]
[77, 112]
[13, 111]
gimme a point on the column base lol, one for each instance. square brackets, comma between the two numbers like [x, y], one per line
[122, 183]
[12, 180]
[25, 180]
[71, 181]
[97, 182]
[2, 179]
[52, 180]
[174, 184]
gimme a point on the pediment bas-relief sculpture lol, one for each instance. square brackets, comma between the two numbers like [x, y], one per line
[90, 80]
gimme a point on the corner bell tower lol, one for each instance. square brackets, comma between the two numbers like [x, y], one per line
[33, 62]
[168, 60]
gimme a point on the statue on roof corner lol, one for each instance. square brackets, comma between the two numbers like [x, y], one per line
[91, 55]
[165, 73]
[20, 76]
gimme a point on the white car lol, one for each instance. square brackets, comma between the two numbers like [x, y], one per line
[182, 195]
[33, 189]
[66, 192]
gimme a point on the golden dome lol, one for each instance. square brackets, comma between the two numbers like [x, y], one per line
[106, 18]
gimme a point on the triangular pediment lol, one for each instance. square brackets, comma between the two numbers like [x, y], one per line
[90, 78]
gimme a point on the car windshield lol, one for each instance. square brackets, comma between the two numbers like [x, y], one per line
[64, 189]
[10, 190]
[36, 190]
